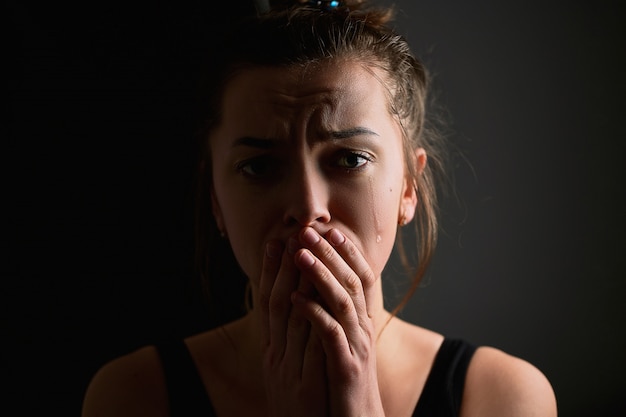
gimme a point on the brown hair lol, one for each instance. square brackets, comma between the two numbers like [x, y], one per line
[300, 35]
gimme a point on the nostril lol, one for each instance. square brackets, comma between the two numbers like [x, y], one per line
[305, 221]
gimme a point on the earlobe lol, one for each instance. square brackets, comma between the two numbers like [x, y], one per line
[408, 203]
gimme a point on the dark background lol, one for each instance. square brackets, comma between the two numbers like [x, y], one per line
[99, 196]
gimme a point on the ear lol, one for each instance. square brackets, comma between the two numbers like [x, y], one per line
[217, 213]
[408, 202]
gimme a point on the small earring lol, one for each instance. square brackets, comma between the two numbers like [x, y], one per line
[402, 220]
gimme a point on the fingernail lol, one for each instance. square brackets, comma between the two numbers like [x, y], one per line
[310, 236]
[336, 238]
[292, 246]
[306, 259]
[272, 249]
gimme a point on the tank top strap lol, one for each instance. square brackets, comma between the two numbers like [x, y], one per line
[443, 390]
[186, 392]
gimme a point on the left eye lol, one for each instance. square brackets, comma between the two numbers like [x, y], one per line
[353, 160]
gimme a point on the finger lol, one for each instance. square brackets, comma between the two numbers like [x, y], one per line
[298, 329]
[306, 287]
[279, 305]
[314, 365]
[340, 268]
[339, 319]
[355, 260]
[297, 326]
[271, 264]
[329, 332]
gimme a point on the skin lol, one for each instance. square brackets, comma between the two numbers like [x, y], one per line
[309, 187]
[310, 121]
[311, 161]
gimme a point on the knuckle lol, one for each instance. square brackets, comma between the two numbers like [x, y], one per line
[318, 310]
[348, 372]
[364, 350]
[352, 251]
[327, 252]
[344, 304]
[325, 275]
[352, 284]
[368, 332]
[367, 278]
[333, 331]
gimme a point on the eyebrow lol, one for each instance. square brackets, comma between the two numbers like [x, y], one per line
[260, 143]
[256, 143]
[355, 131]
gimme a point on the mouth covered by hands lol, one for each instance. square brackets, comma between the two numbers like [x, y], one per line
[318, 338]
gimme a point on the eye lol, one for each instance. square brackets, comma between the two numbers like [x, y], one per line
[353, 160]
[258, 167]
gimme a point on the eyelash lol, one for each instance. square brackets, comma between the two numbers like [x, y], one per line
[242, 166]
[270, 166]
[365, 157]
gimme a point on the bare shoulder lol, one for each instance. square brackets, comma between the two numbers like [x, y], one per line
[498, 384]
[130, 385]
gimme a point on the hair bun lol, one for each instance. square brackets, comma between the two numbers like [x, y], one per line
[359, 9]
[322, 4]
[265, 6]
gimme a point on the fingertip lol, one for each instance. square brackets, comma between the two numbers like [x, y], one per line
[335, 237]
[292, 246]
[273, 249]
[305, 259]
[298, 298]
[309, 236]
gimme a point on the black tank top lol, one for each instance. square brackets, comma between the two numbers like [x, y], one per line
[441, 396]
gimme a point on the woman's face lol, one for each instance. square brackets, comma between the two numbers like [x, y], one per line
[314, 147]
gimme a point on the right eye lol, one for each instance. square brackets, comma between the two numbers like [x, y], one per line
[258, 167]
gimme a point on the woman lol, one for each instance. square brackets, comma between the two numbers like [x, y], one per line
[316, 153]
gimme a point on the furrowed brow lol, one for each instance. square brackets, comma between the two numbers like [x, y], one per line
[255, 143]
[261, 143]
[354, 131]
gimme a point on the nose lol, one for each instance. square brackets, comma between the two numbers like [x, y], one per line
[307, 197]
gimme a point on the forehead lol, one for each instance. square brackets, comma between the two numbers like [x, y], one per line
[335, 84]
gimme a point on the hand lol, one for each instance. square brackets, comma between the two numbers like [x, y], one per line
[293, 358]
[339, 316]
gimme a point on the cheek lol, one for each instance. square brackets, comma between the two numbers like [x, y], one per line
[242, 223]
[381, 244]
[247, 243]
[378, 223]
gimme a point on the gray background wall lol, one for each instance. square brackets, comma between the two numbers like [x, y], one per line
[533, 262]
[98, 230]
